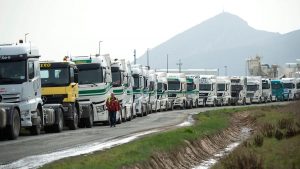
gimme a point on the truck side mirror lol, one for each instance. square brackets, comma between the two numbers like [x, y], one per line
[76, 75]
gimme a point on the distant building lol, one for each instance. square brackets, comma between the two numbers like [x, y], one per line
[256, 68]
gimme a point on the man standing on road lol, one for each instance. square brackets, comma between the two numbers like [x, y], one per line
[113, 106]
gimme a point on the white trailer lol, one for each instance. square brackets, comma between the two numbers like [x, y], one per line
[162, 92]
[95, 80]
[224, 90]
[291, 92]
[267, 90]
[21, 104]
[254, 89]
[208, 91]
[122, 87]
[139, 84]
[177, 88]
[192, 90]
[152, 96]
[239, 90]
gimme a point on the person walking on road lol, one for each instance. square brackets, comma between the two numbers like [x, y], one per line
[113, 106]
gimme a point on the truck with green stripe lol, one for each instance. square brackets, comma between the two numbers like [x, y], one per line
[95, 81]
[192, 90]
[122, 87]
[163, 101]
[139, 85]
[177, 89]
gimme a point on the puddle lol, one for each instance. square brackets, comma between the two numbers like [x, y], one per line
[36, 161]
[188, 122]
[245, 133]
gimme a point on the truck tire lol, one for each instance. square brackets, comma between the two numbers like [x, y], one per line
[73, 124]
[12, 131]
[60, 125]
[89, 121]
[36, 129]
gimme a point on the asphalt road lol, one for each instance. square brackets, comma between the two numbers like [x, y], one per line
[24, 146]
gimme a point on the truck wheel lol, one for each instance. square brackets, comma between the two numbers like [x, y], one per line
[36, 129]
[60, 125]
[244, 101]
[89, 121]
[131, 115]
[73, 125]
[166, 107]
[13, 131]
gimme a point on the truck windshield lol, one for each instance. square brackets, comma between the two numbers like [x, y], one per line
[173, 85]
[190, 86]
[13, 72]
[205, 87]
[55, 77]
[289, 85]
[236, 87]
[136, 81]
[252, 87]
[159, 87]
[265, 85]
[276, 85]
[116, 78]
[221, 87]
[90, 76]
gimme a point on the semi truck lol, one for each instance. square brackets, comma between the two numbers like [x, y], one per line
[192, 90]
[122, 87]
[139, 84]
[239, 90]
[208, 91]
[152, 97]
[177, 89]
[277, 90]
[95, 84]
[224, 90]
[21, 104]
[291, 92]
[60, 86]
[267, 90]
[254, 89]
[162, 92]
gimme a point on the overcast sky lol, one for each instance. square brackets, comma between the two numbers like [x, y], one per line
[62, 27]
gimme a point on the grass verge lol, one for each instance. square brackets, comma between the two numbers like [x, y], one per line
[275, 144]
[206, 123]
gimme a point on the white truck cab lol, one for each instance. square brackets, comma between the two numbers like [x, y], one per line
[122, 87]
[239, 90]
[138, 90]
[291, 92]
[95, 79]
[254, 89]
[21, 104]
[192, 90]
[224, 90]
[267, 90]
[152, 96]
[177, 89]
[162, 92]
[208, 90]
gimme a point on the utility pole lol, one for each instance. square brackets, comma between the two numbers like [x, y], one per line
[167, 63]
[134, 55]
[179, 65]
[25, 36]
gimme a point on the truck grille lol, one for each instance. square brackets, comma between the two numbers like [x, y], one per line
[52, 99]
[10, 98]
[250, 95]
[203, 94]
[172, 95]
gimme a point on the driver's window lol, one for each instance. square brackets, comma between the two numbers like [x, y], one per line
[30, 70]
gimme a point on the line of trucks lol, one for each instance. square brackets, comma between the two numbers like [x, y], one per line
[48, 95]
